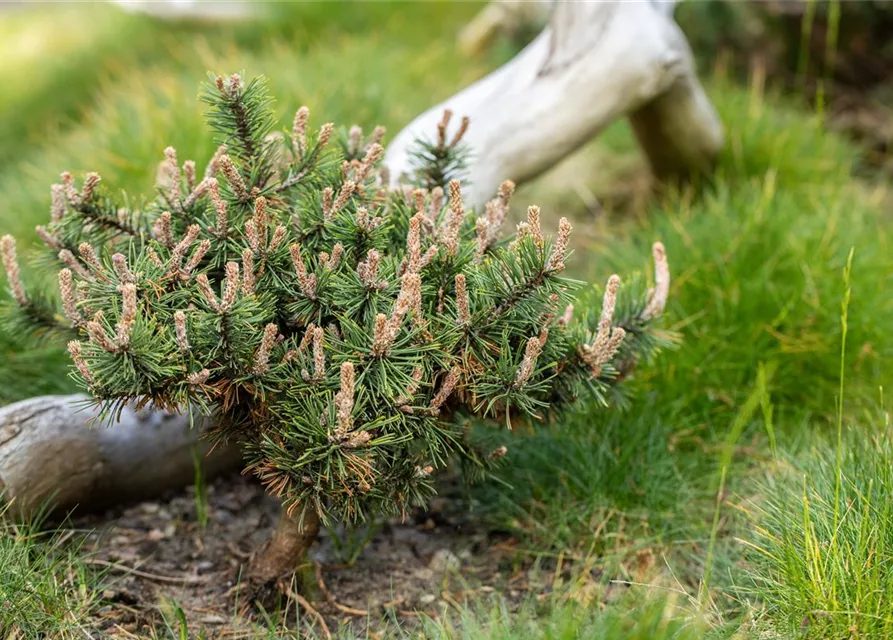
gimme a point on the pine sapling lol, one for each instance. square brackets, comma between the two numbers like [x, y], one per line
[337, 330]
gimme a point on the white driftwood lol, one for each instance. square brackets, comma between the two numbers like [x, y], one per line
[595, 63]
[189, 9]
[51, 454]
[502, 16]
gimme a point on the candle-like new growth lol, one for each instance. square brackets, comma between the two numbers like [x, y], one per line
[58, 204]
[214, 163]
[162, 229]
[231, 287]
[567, 316]
[335, 259]
[189, 174]
[449, 233]
[221, 223]
[180, 331]
[88, 255]
[262, 355]
[319, 355]
[608, 338]
[68, 296]
[233, 177]
[559, 251]
[344, 401]
[173, 175]
[119, 263]
[657, 297]
[77, 356]
[531, 353]
[446, 389]
[71, 194]
[299, 133]
[306, 282]
[195, 259]
[247, 272]
[48, 239]
[91, 181]
[128, 315]
[198, 378]
[462, 307]
[533, 219]
[210, 298]
[96, 331]
[11, 264]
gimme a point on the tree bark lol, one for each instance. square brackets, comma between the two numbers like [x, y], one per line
[285, 551]
[53, 455]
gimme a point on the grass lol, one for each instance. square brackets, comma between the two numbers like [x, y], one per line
[45, 587]
[717, 483]
[632, 619]
[823, 551]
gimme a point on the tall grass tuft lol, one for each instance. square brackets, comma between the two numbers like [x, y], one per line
[823, 580]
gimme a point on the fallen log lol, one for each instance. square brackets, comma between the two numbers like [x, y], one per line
[55, 454]
[595, 63]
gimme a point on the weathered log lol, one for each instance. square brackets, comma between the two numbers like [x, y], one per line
[55, 453]
[502, 16]
[596, 62]
[190, 9]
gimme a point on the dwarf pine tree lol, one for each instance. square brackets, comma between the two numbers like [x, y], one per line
[338, 330]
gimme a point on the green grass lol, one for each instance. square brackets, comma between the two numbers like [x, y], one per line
[45, 587]
[724, 440]
[630, 619]
[823, 553]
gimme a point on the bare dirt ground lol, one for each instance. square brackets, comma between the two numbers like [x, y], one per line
[158, 557]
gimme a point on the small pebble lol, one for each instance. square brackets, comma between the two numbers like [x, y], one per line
[424, 574]
[222, 516]
[444, 560]
[213, 619]
[155, 535]
[428, 598]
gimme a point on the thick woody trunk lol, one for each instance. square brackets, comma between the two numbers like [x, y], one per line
[286, 550]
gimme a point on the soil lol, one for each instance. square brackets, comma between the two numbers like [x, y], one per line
[158, 557]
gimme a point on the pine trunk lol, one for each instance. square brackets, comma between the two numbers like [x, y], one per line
[286, 549]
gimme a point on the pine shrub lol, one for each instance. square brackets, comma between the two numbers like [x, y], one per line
[340, 331]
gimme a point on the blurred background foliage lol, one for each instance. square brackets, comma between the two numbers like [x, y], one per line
[836, 56]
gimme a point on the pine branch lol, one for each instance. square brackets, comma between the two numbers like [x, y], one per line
[339, 332]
